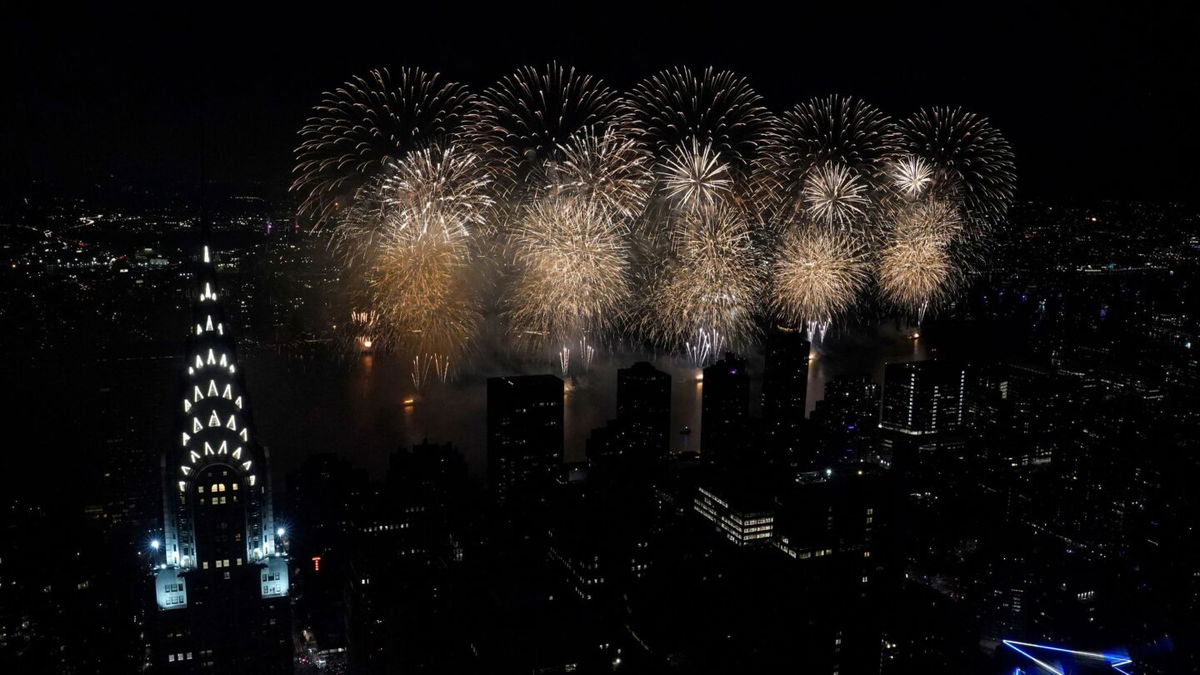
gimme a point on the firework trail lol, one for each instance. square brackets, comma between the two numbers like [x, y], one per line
[564, 360]
[704, 346]
[357, 128]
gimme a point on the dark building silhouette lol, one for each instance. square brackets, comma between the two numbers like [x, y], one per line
[849, 404]
[644, 406]
[847, 418]
[724, 406]
[222, 586]
[524, 430]
[785, 388]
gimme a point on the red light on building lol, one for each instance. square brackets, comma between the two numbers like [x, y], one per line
[316, 560]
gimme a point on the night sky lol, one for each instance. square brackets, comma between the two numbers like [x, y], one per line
[1097, 104]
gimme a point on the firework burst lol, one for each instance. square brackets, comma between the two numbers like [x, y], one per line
[910, 176]
[607, 168]
[412, 234]
[709, 284]
[524, 118]
[916, 267]
[695, 177]
[688, 187]
[357, 128]
[971, 161]
[809, 137]
[678, 107]
[843, 130]
[835, 196]
[572, 268]
[817, 275]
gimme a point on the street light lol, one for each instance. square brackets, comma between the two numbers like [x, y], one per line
[154, 544]
[279, 532]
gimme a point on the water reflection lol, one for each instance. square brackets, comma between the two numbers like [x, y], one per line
[366, 407]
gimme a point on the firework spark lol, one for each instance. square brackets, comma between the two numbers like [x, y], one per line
[817, 275]
[357, 128]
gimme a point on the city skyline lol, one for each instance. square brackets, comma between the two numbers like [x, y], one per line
[671, 339]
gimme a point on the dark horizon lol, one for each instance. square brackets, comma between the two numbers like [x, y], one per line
[1095, 106]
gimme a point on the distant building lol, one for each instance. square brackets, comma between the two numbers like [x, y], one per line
[846, 419]
[222, 586]
[849, 404]
[524, 431]
[785, 388]
[725, 406]
[743, 514]
[644, 406]
[924, 397]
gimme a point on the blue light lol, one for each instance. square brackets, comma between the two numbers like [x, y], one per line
[154, 544]
[1117, 661]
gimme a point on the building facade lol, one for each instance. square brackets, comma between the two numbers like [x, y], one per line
[222, 585]
[524, 431]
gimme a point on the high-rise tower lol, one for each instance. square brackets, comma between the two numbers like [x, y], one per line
[785, 388]
[222, 586]
[923, 397]
[524, 431]
[725, 407]
[644, 407]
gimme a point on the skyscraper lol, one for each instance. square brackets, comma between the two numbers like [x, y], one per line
[524, 430]
[923, 397]
[785, 388]
[724, 406]
[644, 406]
[221, 586]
